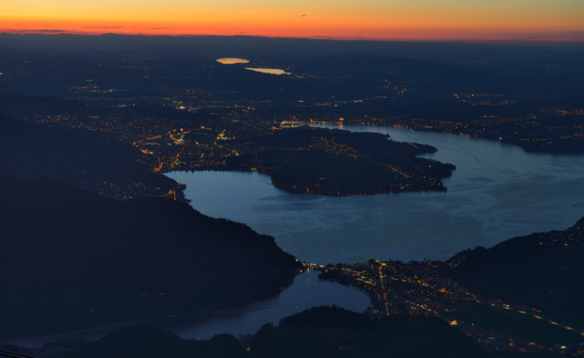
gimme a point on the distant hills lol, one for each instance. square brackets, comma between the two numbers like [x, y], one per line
[529, 96]
[554, 126]
[241, 45]
[71, 259]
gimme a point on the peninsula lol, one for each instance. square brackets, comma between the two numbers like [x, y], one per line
[336, 162]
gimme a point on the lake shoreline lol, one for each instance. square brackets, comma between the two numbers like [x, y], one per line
[497, 191]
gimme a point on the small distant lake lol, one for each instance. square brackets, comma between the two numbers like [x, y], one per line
[497, 192]
[236, 60]
[271, 71]
[232, 60]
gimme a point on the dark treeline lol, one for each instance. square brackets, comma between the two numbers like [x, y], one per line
[250, 46]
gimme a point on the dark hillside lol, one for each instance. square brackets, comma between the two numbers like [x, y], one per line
[336, 332]
[320, 332]
[82, 158]
[541, 270]
[71, 259]
[148, 342]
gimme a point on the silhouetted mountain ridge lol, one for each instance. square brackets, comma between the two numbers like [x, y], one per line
[319, 332]
[71, 259]
[541, 270]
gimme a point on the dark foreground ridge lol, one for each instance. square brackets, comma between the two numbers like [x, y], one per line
[70, 259]
[323, 332]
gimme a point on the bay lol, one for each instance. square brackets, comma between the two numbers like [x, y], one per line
[306, 292]
[497, 192]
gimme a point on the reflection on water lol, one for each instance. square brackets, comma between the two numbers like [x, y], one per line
[232, 60]
[497, 192]
[305, 292]
[271, 71]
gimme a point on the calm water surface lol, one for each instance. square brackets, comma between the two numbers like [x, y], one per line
[305, 292]
[497, 192]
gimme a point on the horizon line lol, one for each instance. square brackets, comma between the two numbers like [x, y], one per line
[528, 41]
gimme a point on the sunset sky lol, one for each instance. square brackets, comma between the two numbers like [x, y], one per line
[546, 20]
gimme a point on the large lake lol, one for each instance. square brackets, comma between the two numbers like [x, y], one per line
[497, 192]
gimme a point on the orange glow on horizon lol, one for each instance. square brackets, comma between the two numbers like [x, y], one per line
[369, 19]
